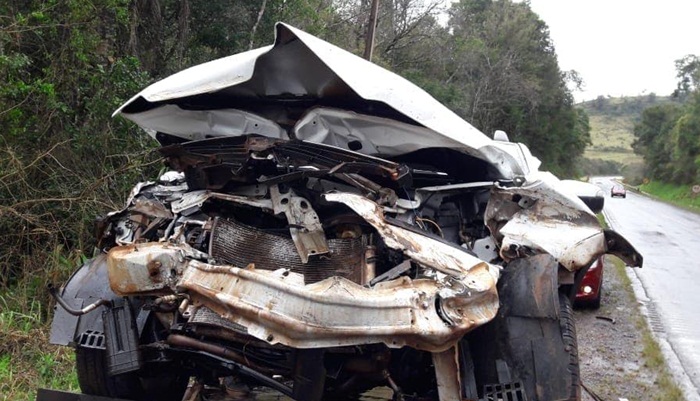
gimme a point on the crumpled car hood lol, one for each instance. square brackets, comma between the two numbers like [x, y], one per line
[211, 99]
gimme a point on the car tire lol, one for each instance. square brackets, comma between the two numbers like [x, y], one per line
[93, 378]
[568, 332]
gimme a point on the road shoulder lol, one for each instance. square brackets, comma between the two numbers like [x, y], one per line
[619, 357]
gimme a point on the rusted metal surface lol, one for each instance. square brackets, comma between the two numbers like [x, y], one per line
[197, 199]
[369, 268]
[304, 224]
[449, 384]
[189, 342]
[441, 256]
[430, 313]
[278, 307]
[144, 268]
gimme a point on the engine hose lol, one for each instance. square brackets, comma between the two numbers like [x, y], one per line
[229, 355]
[70, 309]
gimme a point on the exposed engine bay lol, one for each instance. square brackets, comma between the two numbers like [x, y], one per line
[323, 251]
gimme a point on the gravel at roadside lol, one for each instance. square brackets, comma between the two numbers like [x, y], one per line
[611, 345]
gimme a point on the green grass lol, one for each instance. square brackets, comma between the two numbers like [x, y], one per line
[622, 157]
[601, 220]
[680, 195]
[27, 360]
[612, 135]
[612, 131]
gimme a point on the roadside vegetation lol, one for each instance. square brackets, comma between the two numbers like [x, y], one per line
[681, 195]
[649, 138]
[668, 135]
[612, 121]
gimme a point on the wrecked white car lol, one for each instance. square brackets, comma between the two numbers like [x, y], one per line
[326, 228]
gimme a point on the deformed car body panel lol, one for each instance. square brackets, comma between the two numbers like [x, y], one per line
[311, 69]
[277, 307]
[538, 218]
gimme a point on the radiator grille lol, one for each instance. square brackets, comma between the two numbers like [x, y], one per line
[204, 315]
[238, 245]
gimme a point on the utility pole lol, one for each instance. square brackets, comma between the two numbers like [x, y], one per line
[369, 40]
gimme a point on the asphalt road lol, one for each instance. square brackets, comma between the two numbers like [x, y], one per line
[669, 239]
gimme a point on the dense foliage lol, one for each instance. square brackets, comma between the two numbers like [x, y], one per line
[668, 135]
[66, 65]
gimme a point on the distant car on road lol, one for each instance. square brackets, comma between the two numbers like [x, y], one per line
[618, 190]
[591, 287]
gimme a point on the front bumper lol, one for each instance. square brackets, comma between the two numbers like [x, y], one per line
[276, 306]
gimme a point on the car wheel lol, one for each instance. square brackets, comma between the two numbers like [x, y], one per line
[93, 378]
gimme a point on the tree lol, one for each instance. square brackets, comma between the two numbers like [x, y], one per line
[505, 68]
[653, 139]
[685, 137]
[668, 136]
[688, 74]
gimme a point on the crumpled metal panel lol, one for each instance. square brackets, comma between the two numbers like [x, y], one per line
[537, 218]
[441, 256]
[278, 308]
[304, 224]
[312, 68]
[144, 268]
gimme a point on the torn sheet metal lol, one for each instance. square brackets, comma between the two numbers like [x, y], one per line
[428, 252]
[276, 306]
[196, 199]
[304, 224]
[313, 69]
[537, 218]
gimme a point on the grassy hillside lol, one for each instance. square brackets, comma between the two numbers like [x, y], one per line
[612, 122]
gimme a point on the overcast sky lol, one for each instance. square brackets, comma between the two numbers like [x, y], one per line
[622, 47]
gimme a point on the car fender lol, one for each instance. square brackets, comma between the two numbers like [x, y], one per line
[88, 284]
